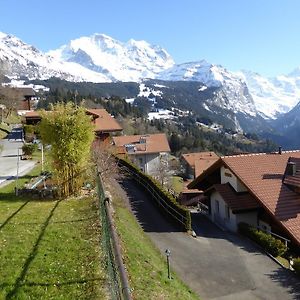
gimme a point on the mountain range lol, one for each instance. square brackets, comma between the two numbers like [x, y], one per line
[100, 58]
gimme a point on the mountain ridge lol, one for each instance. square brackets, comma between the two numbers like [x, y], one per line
[100, 58]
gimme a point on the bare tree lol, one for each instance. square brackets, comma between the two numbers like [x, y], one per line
[107, 166]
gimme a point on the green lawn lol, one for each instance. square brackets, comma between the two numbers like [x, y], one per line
[145, 264]
[177, 184]
[49, 249]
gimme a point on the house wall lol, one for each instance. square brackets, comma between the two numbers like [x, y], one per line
[232, 222]
[221, 217]
[228, 177]
[150, 162]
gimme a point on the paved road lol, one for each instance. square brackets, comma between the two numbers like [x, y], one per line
[9, 157]
[216, 264]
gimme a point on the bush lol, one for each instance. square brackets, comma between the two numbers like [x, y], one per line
[28, 149]
[272, 245]
[296, 265]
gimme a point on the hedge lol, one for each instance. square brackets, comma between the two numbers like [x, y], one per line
[272, 245]
[166, 196]
[296, 265]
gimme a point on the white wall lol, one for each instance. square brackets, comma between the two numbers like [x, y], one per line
[149, 162]
[221, 217]
[228, 176]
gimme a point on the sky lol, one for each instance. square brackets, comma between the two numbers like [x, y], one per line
[257, 35]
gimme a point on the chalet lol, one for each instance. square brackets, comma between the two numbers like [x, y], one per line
[147, 151]
[262, 190]
[196, 163]
[104, 123]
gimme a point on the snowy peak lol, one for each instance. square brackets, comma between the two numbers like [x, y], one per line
[129, 61]
[273, 96]
[233, 93]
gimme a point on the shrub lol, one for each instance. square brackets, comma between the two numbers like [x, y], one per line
[28, 149]
[272, 245]
[296, 265]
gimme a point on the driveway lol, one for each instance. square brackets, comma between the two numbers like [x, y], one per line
[9, 157]
[216, 264]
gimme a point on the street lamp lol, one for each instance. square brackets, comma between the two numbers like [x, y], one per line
[168, 253]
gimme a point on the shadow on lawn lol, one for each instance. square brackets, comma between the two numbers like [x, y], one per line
[58, 284]
[19, 280]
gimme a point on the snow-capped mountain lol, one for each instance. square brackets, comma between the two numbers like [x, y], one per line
[129, 61]
[234, 93]
[20, 59]
[100, 58]
[273, 96]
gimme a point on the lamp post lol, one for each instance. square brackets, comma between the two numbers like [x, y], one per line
[168, 253]
[18, 162]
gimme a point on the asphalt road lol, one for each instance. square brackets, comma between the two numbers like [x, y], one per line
[216, 264]
[9, 157]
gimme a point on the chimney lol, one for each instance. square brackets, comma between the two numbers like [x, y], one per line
[291, 168]
[280, 150]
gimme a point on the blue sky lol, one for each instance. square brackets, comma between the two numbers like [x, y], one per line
[258, 35]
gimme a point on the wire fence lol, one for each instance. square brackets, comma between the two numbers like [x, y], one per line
[107, 246]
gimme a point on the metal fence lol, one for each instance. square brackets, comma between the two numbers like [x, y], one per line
[117, 277]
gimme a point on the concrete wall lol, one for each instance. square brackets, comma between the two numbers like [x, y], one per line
[228, 177]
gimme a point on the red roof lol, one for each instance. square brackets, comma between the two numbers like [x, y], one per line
[200, 161]
[263, 175]
[141, 144]
[103, 121]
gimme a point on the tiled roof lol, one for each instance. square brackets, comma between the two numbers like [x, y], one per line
[263, 175]
[200, 161]
[236, 201]
[151, 143]
[103, 121]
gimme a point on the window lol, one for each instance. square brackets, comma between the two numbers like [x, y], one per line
[227, 212]
[227, 174]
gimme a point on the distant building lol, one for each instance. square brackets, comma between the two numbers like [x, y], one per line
[196, 163]
[104, 123]
[147, 151]
[262, 190]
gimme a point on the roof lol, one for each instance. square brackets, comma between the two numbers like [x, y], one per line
[149, 143]
[32, 114]
[103, 121]
[200, 161]
[235, 201]
[263, 176]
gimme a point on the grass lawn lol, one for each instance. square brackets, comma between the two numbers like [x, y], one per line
[177, 184]
[49, 249]
[145, 264]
